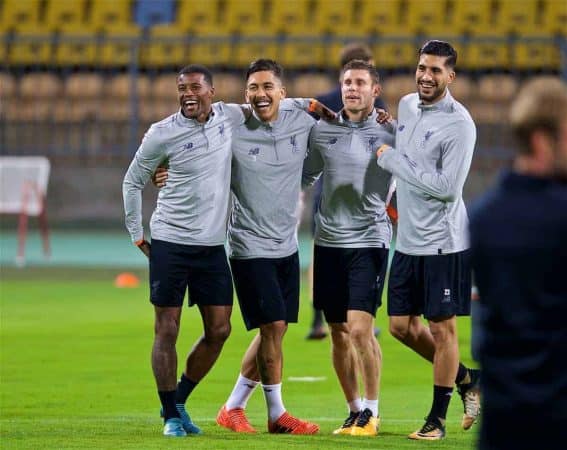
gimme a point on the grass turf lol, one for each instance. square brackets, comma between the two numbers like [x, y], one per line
[75, 373]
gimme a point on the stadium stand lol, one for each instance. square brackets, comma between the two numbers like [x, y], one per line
[122, 56]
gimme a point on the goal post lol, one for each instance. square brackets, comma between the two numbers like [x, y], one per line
[23, 191]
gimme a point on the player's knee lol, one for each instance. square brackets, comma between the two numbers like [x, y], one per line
[219, 334]
[361, 335]
[166, 327]
[340, 335]
[442, 331]
[399, 330]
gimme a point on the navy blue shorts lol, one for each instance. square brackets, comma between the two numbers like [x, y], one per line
[176, 267]
[436, 286]
[348, 279]
[267, 289]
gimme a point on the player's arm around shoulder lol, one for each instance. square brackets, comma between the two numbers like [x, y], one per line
[313, 163]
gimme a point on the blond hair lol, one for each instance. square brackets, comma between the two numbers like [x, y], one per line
[541, 104]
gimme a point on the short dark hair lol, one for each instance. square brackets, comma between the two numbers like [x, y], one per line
[356, 51]
[197, 68]
[440, 48]
[265, 64]
[359, 64]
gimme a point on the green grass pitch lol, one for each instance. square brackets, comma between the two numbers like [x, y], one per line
[75, 373]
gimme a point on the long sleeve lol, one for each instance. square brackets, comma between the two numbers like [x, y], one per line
[446, 183]
[312, 166]
[149, 155]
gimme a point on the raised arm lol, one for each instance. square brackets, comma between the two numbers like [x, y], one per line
[455, 158]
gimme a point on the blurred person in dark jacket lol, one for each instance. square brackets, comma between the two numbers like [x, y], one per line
[519, 248]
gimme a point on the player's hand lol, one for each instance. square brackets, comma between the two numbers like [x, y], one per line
[145, 247]
[315, 106]
[159, 177]
[382, 149]
[383, 116]
[392, 213]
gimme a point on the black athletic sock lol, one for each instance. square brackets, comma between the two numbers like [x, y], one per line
[461, 373]
[167, 399]
[441, 399]
[317, 318]
[184, 389]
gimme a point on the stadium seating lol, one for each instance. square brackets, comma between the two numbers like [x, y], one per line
[111, 16]
[383, 18]
[75, 48]
[65, 15]
[245, 17]
[311, 84]
[426, 15]
[18, 14]
[517, 17]
[290, 17]
[471, 17]
[338, 19]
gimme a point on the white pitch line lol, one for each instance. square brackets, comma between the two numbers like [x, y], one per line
[307, 379]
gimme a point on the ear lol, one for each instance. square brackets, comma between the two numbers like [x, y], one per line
[212, 91]
[377, 90]
[283, 92]
[541, 145]
[452, 76]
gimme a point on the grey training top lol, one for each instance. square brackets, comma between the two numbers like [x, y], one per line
[192, 208]
[434, 148]
[266, 182]
[352, 212]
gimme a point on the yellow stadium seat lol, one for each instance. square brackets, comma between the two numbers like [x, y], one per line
[486, 54]
[247, 50]
[33, 46]
[65, 15]
[3, 47]
[76, 48]
[245, 17]
[17, 14]
[302, 53]
[338, 17]
[536, 54]
[166, 47]
[472, 17]
[554, 18]
[426, 16]
[211, 51]
[111, 15]
[381, 17]
[290, 17]
[394, 54]
[116, 48]
[515, 16]
[198, 16]
[309, 85]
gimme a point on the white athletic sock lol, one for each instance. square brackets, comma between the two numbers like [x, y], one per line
[355, 405]
[372, 405]
[242, 391]
[273, 394]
